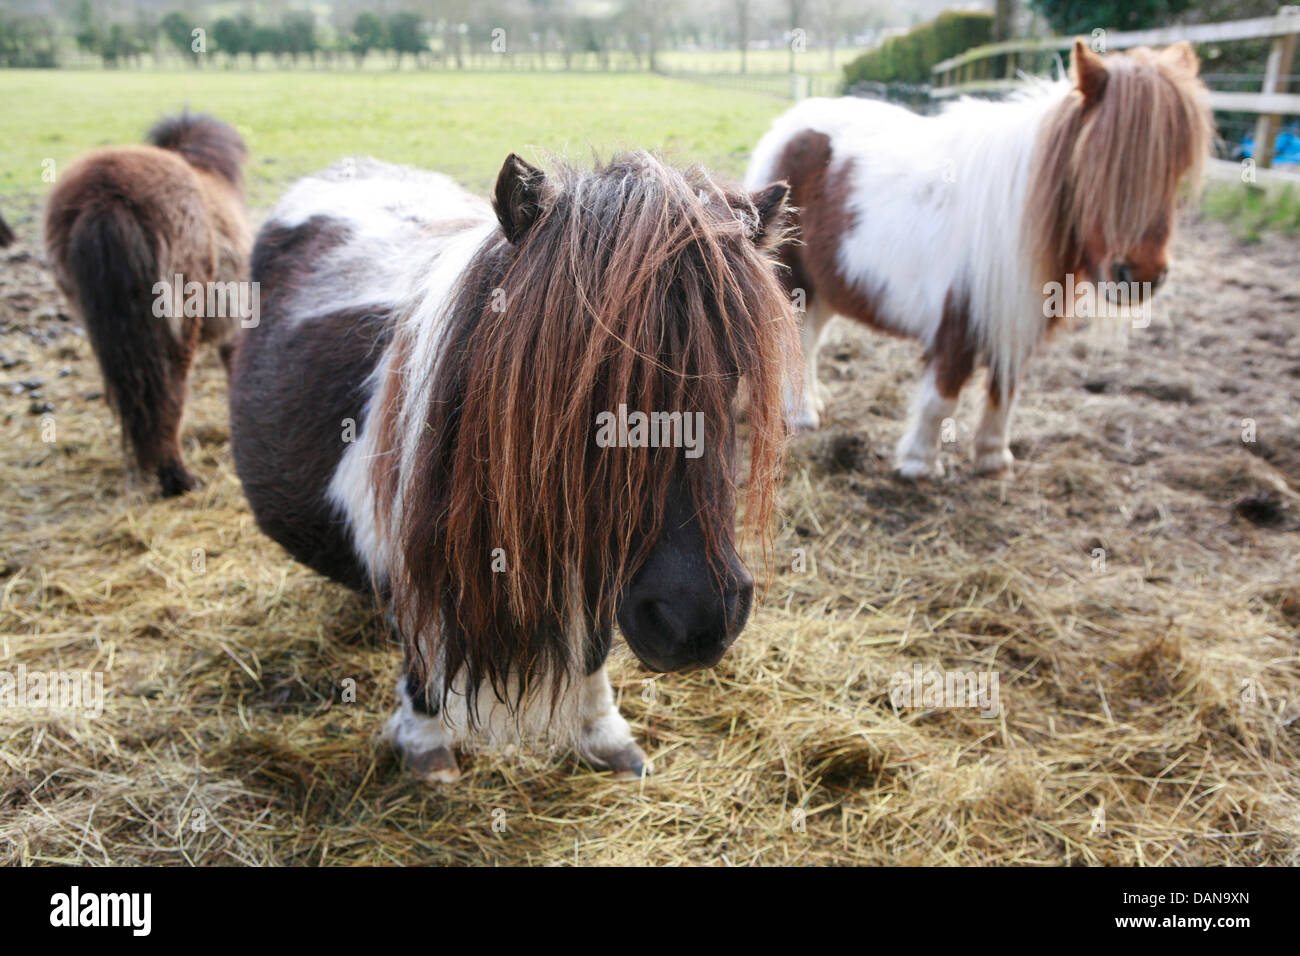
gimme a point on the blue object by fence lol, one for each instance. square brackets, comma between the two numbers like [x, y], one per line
[1286, 148]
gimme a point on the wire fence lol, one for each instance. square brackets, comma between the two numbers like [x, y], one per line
[786, 86]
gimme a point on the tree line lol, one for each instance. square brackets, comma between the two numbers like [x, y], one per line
[624, 33]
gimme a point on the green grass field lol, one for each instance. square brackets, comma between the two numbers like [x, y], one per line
[463, 124]
[1253, 211]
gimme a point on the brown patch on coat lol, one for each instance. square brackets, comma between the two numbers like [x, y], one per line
[293, 387]
[820, 220]
[953, 351]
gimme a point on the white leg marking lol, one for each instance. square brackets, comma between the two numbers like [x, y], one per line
[587, 717]
[993, 437]
[918, 452]
[425, 742]
[605, 740]
[805, 413]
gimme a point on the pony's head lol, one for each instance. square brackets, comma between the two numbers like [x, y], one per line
[1133, 132]
[577, 462]
[205, 142]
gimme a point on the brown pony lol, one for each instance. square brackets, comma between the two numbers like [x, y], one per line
[518, 428]
[130, 231]
[6, 234]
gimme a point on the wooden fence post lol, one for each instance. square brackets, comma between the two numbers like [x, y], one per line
[1280, 58]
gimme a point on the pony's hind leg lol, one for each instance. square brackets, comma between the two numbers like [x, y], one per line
[992, 450]
[157, 437]
[804, 410]
[604, 738]
[918, 451]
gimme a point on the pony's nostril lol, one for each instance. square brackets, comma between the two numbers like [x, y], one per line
[738, 604]
[657, 618]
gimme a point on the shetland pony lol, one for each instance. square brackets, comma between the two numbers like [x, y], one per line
[952, 229]
[419, 415]
[124, 226]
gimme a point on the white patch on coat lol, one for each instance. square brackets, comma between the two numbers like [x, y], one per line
[409, 236]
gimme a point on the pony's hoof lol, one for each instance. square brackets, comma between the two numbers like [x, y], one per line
[174, 480]
[434, 766]
[918, 469]
[995, 464]
[628, 763]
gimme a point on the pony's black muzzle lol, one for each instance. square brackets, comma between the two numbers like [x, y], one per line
[683, 606]
[686, 624]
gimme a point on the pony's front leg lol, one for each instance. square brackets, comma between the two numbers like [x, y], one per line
[993, 437]
[419, 733]
[604, 738]
[804, 411]
[918, 451]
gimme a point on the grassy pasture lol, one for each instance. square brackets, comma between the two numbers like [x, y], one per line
[1149, 712]
[463, 124]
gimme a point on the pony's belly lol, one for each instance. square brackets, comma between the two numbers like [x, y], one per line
[298, 401]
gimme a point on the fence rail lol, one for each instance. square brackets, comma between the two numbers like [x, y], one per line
[972, 71]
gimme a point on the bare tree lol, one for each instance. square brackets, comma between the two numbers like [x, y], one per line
[1003, 19]
[796, 8]
[743, 10]
[831, 10]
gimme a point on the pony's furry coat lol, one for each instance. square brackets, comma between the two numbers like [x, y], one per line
[637, 285]
[120, 221]
[473, 353]
[946, 228]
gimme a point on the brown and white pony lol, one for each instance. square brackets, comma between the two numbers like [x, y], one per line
[956, 229]
[122, 224]
[419, 413]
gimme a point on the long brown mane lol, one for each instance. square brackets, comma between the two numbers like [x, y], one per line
[638, 284]
[1113, 157]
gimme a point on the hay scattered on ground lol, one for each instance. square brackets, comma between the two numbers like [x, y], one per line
[1160, 688]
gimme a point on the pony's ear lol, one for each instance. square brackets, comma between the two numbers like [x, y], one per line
[1182, 56]
[770, 203]
[518, 197]
[1090, 73]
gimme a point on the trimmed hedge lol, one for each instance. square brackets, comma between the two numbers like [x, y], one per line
[908, 58]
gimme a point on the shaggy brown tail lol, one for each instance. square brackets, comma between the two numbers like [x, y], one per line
[6, 234]
[113, 266]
